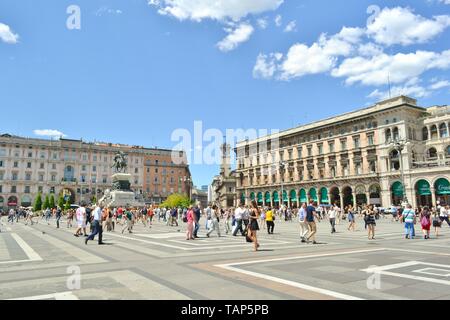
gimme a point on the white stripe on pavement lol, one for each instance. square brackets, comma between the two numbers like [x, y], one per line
[57, 296]
[31, 254]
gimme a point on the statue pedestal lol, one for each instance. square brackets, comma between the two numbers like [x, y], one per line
[121, 195]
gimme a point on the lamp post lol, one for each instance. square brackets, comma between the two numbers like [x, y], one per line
[399, 145]
[187, 181]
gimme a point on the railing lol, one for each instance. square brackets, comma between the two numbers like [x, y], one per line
[431, 163]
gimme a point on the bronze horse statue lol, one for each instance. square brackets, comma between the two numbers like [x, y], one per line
[120, 162]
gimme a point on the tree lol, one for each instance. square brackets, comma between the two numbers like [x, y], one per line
[94, 200]
[61, 202]
[67, 205]
[37, 203]
[177, 200]
[46, 204]
[52, 201]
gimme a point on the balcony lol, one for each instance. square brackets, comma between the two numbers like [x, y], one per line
[431, 163]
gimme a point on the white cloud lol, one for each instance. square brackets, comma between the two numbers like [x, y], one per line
[7, 35]
[278, 20]
[399, 67]
[262, 23]
[414, 90]
[401, 26]
[440, 84]
[199, 10]
[266, 66]
[49, 133]
[320, 57]
[291, 26]
[235, 37]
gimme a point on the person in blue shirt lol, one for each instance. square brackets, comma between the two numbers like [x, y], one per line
[408, 218]
[311, 215]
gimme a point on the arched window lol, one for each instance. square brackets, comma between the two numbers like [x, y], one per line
[443, 130]
[447, 151]
[388, 135]
[425, 134]
[432, 154]
[395, 134]
[394, 159]
[434, 132]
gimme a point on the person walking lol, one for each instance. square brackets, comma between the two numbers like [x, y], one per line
[227, 219]
[197, 215]
[81, 221]
[436, 223]
[351, 218]
[302, 222]
[215, 213]
[238, 213]
[253, 224]
[311, 215]
[98, 215]
[371, 223]
[190, 216]
[269, 221]
[332, 217]
[425, 222]
[408, 217]
[58, 216]
[128, 216]
[444, 213]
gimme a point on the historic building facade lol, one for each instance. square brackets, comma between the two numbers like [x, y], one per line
[224, 185]
[384, 154]
[75, 169]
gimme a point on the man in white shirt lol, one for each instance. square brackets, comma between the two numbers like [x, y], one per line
[98, 229]
[444, 213]
[238, 215]
[303, 223]
[81, 220]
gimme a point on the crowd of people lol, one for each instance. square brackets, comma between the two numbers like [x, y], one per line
[245, 219]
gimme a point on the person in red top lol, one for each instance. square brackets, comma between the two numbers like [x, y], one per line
[119, 215]
[150, 215]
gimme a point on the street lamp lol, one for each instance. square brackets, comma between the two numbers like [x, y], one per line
[399, 145]
[187, 181]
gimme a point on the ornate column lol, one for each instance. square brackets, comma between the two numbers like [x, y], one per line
[354, 197]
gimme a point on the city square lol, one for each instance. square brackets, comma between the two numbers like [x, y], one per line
[258, 151]
[157, 263]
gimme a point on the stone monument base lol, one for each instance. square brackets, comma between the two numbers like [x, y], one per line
[121, 195]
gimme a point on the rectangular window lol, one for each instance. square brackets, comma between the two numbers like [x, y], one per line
[28, 176]
[136, 170]
[2, 152]
[27, 189]
[331, 146]
[1, 175]
[83, 167]
[53, 178]
[28, 165]
[343, 145]
[40, 189]
[13, 189]
[41, 166]
[309, 151]
[1, 189]
[30, 154]
[84, 157]
[370, 140]
[104, 179]
[83, 178]
[16, 164]
[1, 163]
[55, 156]
[94, 168]
[356, 142]
[95, 158]
[41, 177]
[14, 176]
[54, 166]
[320, 148]
[52, 190]
[42, 155]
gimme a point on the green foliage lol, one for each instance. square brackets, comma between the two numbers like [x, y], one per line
[177, 200]
[67, 205]
[37, 203]
[46, 204]
[52, 201]
[94, 199]
[61, 202]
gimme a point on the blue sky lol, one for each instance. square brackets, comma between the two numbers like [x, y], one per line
[137, 70]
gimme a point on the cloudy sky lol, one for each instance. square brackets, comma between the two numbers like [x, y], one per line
[137, 70]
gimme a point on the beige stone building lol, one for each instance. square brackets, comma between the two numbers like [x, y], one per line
[352, 159]
[224, 185]
[72, 168]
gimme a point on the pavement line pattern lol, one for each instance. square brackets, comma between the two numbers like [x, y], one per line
[79, 254]
[337, 295]
[57, 296]
[330, 293]
[301, 257]
[31, 254]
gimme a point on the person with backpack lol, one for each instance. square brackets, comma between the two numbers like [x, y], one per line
[409, 217]
[425, 222]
